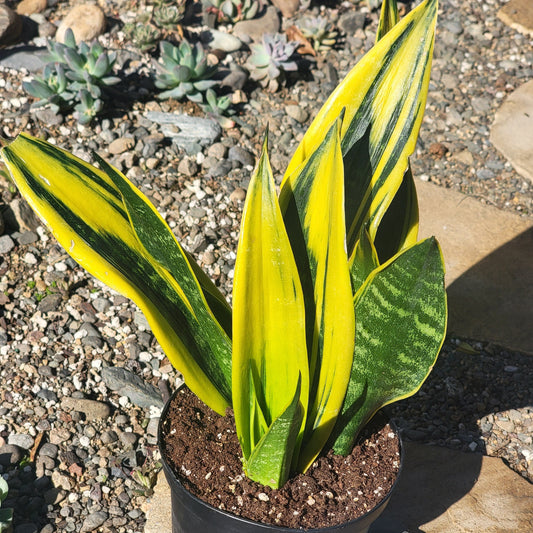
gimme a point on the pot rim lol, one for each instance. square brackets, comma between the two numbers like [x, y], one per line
[169, 470]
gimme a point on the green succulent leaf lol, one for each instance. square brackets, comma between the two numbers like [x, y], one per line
[103, 221]
[388, 18]
[401, 323]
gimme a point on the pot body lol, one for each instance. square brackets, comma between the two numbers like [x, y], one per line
[192, 515]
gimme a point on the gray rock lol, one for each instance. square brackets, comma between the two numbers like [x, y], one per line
[220, 40]
[453, 27]
[188, 167]
[240, 154]
[49, 303]
[485, 174]
[28, 237]
[109, 436]
[47, 395]
[128, 438]
[22, 440]
[10, 454]
[101, 304]
[220, 169]
[297, 113]
[6, 244]
[254, 29]
[49, 450]
[350, 22]
[92, 409]
[47, 116]
[236, 79]
[30, 58]
[186, 131]
[93, 521]
[140, 321]
[129, 384]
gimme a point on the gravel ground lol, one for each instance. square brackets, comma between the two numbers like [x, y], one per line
[75, 450]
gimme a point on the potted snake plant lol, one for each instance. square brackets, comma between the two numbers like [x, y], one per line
[338, 309]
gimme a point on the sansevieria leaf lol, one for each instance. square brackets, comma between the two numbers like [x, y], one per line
[401, 322]
[388, 18]
[117, 235]
[313, 202]
[269, 344]
[384, 107]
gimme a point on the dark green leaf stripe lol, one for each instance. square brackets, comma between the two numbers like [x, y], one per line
[160, 243]
[401, 323]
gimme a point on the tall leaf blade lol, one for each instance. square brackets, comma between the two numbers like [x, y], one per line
[384, 108]
[388, 18]
[87, 214]
[401, 324]
[269, 316]
[313, 201]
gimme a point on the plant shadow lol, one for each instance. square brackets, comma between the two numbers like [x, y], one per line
[449, 424]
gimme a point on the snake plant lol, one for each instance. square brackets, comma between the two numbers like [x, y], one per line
[337, 310]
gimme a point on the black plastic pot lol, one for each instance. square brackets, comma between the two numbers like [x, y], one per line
[192, 515]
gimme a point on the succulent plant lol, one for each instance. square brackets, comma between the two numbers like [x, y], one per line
[52, 88]
[218, 107]
[320, 32]
[271, 59]
[168, 16]
[89, 106]
[6, 515]
[233, 10]
[144, 36]
[183, 71]
[74, 78]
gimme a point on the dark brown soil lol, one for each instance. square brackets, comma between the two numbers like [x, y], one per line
[202, 449]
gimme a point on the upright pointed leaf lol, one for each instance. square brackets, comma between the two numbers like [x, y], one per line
[384, 108]
[364, 261]
[86, 211]
[269, 315]
[388, 18]
[401, 324]
[313, 201]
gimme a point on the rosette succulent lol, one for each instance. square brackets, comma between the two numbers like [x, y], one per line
[273, 57]
[320, 31]
[233, 10]
[183, 71]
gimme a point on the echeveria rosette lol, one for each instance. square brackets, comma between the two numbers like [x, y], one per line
[338, 309]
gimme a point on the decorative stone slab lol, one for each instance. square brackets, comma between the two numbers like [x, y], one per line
[518, 14]
[444, 491]
[489, 273]
[512, 130]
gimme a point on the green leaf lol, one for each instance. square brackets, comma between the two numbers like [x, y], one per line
[270, 461]
[268, 314]
[401, 323]
[92, 214]
[4, 489]
[365, 260]
[384, 96]
[388, 18]
[313, 203]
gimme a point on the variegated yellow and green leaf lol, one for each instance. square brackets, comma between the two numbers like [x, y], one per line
[388, 18]
[117, 235]
[384, 96]
[269, 343]
[401, 322]
[364, 260]
[313, 202]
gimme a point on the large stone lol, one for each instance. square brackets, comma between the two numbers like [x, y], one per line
[186, 131]
[10, 26]
[518, 14]
[288, 8]
[30, 58]
[488, 255]
[92, 409]
[254, 29]
[443, 491]
[512, 130]
[30, 7]
[87, 21]
[158, 509]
